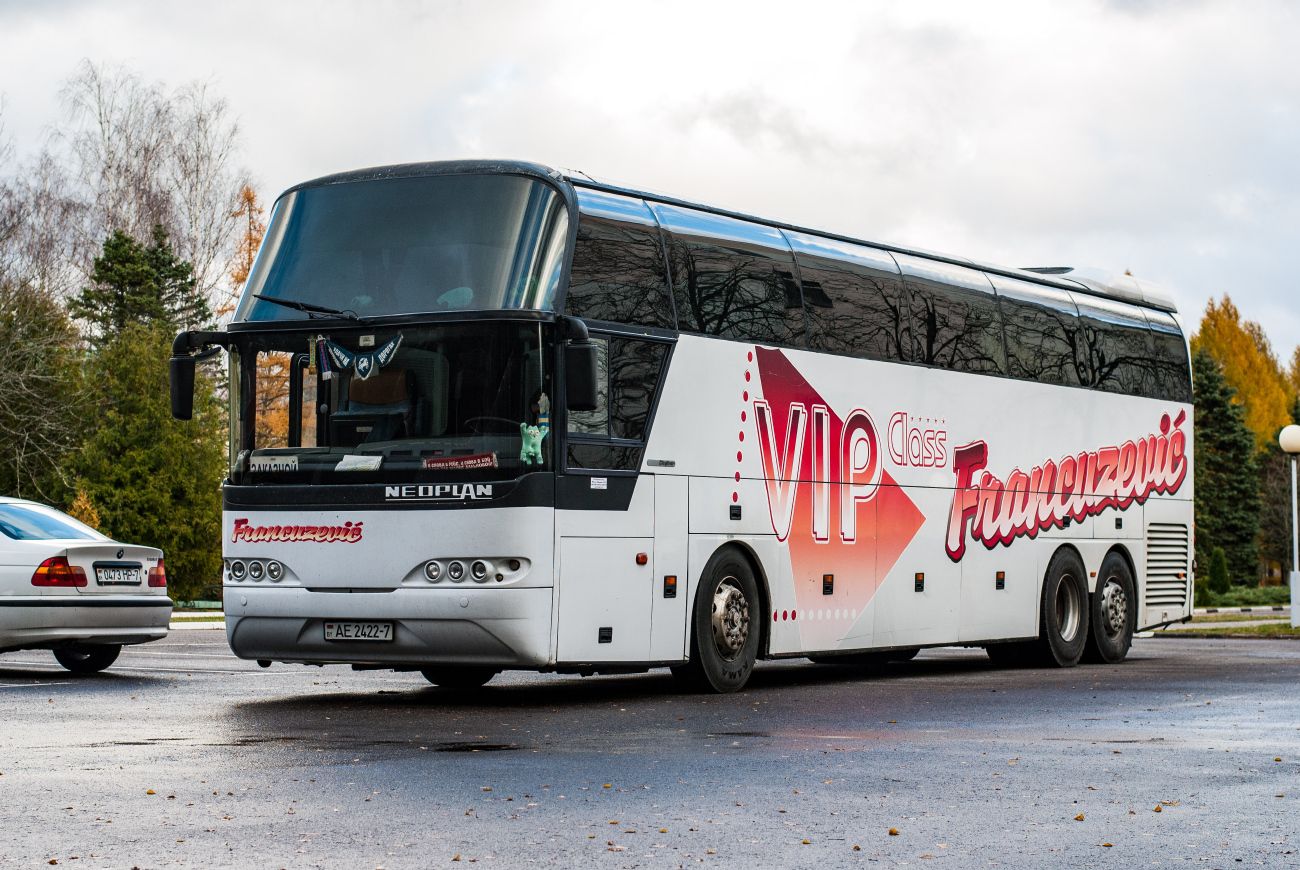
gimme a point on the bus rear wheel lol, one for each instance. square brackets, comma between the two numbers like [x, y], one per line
[1063, 627]
[459, 676]
[1114, 613]
[88, 658]
[725, 626]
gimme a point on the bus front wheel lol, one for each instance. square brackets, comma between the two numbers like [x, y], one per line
[725, 627]
[459, 676]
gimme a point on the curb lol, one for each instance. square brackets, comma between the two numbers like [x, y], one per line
[1277, 608]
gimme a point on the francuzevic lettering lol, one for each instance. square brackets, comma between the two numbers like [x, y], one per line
[1048, 495]
[348, 533]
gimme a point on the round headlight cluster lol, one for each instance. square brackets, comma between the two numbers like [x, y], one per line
[478, 570]
[255, 570]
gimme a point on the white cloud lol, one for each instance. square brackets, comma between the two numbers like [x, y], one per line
[1158, 137]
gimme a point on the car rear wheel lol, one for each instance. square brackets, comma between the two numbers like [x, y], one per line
[459, 676]
[88, 658]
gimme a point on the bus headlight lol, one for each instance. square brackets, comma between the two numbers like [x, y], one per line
[433, 571]
[237, 570]
[480, 570]
[274, 571]
[255, 571]
[456, 571]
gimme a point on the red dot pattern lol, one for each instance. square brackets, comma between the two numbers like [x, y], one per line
[744, 397]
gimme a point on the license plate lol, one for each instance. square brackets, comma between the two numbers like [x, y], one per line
[380, 631]
[117, 576]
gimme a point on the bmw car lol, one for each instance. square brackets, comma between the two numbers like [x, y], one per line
[67, 588]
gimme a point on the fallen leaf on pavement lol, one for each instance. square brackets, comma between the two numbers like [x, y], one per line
[1079, 817]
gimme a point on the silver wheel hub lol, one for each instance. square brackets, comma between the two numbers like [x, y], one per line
[730, 618]
[1114, 609]
[1069, 608]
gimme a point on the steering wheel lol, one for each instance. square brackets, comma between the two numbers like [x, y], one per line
[470, 422]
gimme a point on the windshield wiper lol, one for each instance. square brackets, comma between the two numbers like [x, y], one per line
[309, 309]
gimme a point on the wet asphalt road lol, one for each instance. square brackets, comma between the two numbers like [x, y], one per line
[971, 766]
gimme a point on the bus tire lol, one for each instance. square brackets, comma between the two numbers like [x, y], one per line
[1114, 613]
[725, 626]
[459, 676]
[88, 658]
[1064, 610]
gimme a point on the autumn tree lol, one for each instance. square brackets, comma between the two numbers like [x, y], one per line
[1249, 367]
[250, 229]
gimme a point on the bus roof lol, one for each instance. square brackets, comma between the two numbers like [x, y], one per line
[1096, 282]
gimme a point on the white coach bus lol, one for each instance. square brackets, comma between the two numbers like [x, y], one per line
[489, 416]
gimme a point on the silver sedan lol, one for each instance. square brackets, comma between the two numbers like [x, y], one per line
[67, 588]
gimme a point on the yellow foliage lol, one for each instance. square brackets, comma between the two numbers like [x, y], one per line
[83, 510]
[1249, 366]
[272, 380]
[249, 233]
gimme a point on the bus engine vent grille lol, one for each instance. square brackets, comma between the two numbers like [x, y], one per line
[1167, 574]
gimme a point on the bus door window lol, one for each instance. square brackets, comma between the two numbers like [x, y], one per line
[1118, 347]
[854, 298]
[612, 436]
[955, 321]
[618, 273]
[1042, 330]
[270, 383]
[732, 278]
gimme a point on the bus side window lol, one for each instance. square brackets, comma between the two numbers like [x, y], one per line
[612, 436]
[1118, 347]
[1173, 368]
[955, 320]
[854, 298]
[732, 278]
[1042, 330]
[618, 273]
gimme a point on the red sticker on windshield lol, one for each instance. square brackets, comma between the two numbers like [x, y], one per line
[478, 460]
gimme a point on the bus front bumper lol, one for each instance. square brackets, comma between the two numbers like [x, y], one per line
[507, 628]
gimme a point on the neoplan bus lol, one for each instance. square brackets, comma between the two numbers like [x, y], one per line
[488, 416]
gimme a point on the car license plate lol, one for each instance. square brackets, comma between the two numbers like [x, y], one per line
[117, 576]
[381, 631]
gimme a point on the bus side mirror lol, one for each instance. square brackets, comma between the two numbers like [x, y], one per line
[180, 368]
[580, 376]
[180, 371]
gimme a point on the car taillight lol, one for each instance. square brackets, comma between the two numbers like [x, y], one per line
[57, 572]
[158, 576]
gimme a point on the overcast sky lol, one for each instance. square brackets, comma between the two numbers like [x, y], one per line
[1159, 137]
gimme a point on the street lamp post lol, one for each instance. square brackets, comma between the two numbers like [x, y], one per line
[1290, 442]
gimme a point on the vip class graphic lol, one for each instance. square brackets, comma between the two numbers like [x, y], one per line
[829, 496]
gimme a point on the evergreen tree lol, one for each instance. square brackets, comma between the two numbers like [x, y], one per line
[1219, 583]
[1227, 477]
[150, 479]
[138, 284]
[153, 480]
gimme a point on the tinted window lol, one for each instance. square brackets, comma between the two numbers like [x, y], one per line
[1042, 329]
[955, 321]
[408, 245]
[1173, 370]
[1116, 350]
[853, 297]
[628, 372]
[732, 278]
[618, 271]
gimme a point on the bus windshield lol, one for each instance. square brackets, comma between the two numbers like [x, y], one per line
[411, 404]
[410, 246]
